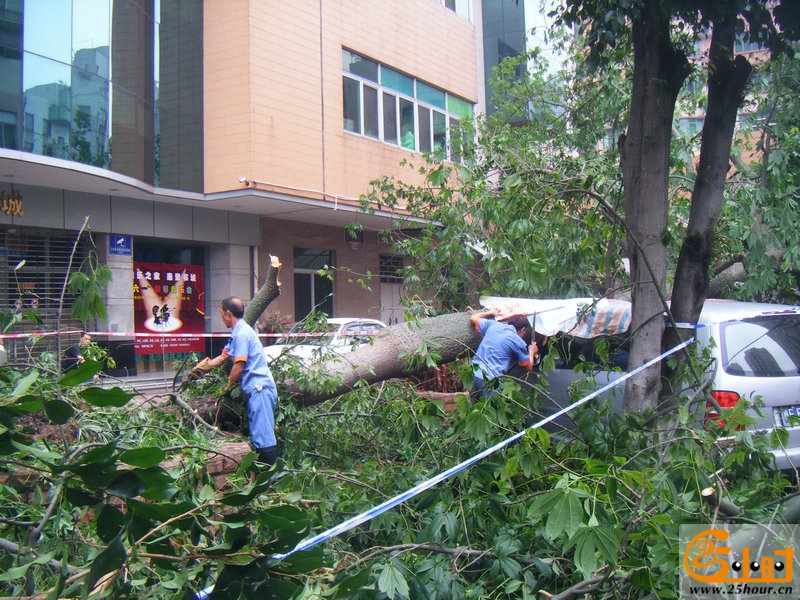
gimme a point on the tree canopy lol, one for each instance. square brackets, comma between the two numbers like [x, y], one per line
[584, 182]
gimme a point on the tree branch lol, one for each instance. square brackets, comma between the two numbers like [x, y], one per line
[266, 294]
[13, 548]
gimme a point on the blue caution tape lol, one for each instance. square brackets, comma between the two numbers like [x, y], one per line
[426, 485]
[681, 325]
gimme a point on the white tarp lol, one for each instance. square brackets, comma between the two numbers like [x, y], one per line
[579, 317]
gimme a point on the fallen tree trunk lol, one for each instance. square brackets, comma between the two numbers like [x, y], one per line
[734, 273]
[387, 357]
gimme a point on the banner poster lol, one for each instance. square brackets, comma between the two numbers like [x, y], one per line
[168, 302]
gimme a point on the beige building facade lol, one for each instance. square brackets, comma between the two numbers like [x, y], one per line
[282, 130]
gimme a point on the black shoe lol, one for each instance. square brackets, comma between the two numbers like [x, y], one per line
[267, 455]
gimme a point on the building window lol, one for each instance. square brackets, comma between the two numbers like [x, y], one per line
[384, 104]
[313, 286]
[691, 126]
[28, 134]
[370, 101]
[352, 105]
[740, 45]
[389, 118]
[391, 268]
[8, 130]
[460, 7]
[611, 138]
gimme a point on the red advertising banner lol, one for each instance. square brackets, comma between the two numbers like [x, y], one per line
[168, 302]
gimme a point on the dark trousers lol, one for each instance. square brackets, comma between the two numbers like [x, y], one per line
[268, 455]
[482, 390]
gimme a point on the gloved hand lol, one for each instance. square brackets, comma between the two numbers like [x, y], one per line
[200, 369]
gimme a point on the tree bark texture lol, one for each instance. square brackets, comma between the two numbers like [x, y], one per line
[727, 79]
[449, 336]
[724, 279]
[658, 73]
[266, 294]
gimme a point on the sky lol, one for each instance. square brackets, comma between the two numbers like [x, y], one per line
[537, 22]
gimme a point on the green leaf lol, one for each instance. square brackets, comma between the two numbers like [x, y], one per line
[79, 497]
[779, 437]
[58, 411]
[126, 485]
[13, 573]
[611, 486]
[97, 476]
[261, 485]
[104, 275]
[24, 384]
[77, 281]
[510, 567]
[566, 516]
[109, 522]
[143, 457]
[21, 444]
[175, 581]
[392, 583]
[99, 308]
[595, 546]
[101, 397]
[28, 403]
[539, 436]
[235, 538]
[162, 511]
[81, 374]
[110, 559]
[543, 504]
[288, 524]
[285, 517]
[100, 455]
[355, 582]
[154, 476]
[303, 562]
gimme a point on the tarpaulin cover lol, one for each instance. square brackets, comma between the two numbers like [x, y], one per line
[579, 317]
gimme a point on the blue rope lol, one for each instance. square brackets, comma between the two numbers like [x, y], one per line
[425, 485]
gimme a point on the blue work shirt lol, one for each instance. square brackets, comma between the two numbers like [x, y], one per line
[245, 345]
[256, 382]
[500, 350]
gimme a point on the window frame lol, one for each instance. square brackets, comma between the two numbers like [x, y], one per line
[315, 280]
[384, 96]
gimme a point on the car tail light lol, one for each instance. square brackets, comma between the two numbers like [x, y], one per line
[725, 400]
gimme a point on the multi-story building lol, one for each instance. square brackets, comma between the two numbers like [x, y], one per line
[201, 137]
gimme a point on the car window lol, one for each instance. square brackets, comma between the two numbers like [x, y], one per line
[360, 332]
[322, 337]
[299, 335]
[350, 334]
[766, 346]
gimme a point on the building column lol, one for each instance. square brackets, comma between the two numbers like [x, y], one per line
[231, 273]
[119, 303]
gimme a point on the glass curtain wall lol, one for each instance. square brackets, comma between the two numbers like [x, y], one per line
[503, 36]
[79, 81]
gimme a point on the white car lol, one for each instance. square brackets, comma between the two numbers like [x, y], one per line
[755, 354]
[342, 335]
